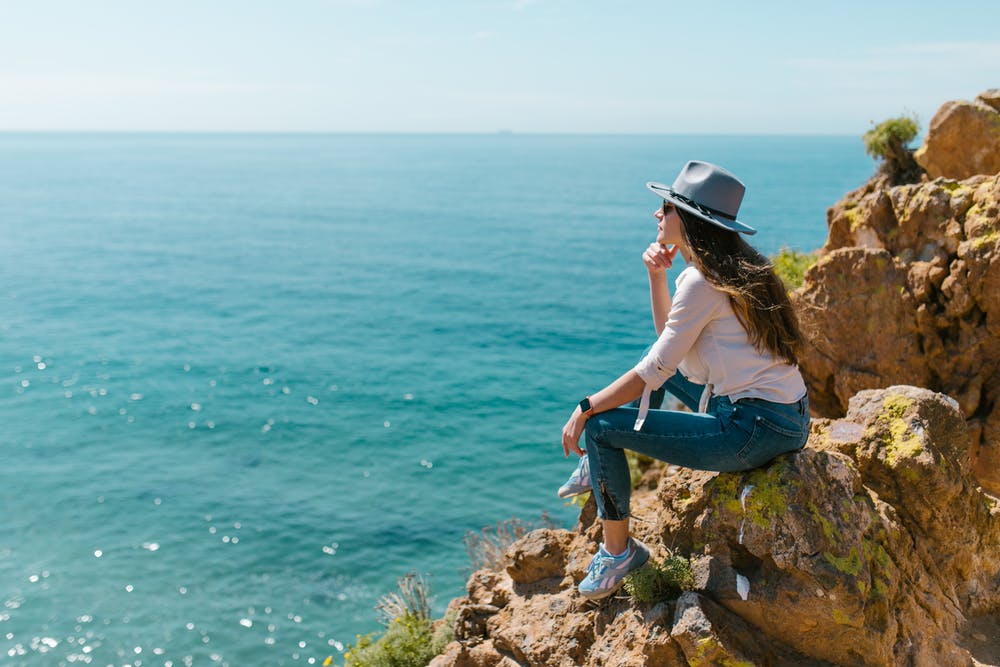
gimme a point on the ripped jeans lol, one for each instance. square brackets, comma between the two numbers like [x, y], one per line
[728, 437]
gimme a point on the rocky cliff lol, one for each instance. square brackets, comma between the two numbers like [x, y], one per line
[872, 546]
[878, 544]
[907, 291]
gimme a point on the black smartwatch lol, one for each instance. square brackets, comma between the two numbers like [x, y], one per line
[585, 405]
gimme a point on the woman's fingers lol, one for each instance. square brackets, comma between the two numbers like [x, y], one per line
[659, 256]
[571, 436]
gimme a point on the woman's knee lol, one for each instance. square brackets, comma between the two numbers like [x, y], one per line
[598, 429]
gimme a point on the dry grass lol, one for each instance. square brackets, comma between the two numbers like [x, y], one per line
[412, 598]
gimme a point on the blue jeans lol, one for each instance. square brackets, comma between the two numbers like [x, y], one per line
[729, 437]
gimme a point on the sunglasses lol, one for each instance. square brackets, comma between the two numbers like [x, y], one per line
[667, 207]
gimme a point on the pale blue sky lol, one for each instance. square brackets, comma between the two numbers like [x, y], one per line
[705, 66]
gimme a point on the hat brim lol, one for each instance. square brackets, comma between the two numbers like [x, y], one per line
[668, 194]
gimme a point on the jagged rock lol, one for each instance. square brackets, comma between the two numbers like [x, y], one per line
[963, 139]
[990, 97]
[852, 558]
[485, 654]
[470, 622]
[637, 638]
[489, 588]
[540, 554]
[706, 643]
[907, 291]
[872, 546]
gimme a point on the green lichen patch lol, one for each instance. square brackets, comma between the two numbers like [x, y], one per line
[825, 524]
[876, 553]
[711, 652]
[725, 492]
[851, 564]
[896, 434]
[841, 617]
[988, 239]
[768, 499]
[683, 498]
[854, 218]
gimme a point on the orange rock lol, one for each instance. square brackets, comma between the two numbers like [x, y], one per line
[963, 139]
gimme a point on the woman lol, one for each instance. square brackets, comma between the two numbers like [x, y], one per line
[726, 348]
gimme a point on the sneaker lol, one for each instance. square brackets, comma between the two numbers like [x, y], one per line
[606, 574]
[579, 481]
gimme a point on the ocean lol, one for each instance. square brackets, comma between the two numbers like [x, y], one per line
[249, 381]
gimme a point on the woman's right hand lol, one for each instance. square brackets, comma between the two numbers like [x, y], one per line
[658, 258]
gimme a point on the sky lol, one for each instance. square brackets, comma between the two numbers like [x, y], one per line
[630, 67]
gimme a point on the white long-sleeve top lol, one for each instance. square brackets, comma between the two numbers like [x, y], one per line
[705, 341]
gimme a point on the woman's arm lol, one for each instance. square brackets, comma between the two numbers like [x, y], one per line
[658, 258]
[625, 389]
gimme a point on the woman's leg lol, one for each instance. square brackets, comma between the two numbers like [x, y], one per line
[615, 536]
[693, 440]
[729, 438]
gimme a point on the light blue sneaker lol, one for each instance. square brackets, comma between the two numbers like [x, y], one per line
[606, 574]
[579, 481]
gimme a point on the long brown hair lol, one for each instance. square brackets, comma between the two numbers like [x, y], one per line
[756, 294]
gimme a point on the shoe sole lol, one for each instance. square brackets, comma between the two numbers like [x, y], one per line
[572, 494]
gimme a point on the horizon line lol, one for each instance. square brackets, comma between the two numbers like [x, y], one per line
[501, 133]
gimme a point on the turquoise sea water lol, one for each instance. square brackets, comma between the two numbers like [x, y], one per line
[248, 381]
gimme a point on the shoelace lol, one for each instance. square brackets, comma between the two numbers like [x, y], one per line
[600, 565]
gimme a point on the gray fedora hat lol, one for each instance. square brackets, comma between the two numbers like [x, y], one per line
[709, 192]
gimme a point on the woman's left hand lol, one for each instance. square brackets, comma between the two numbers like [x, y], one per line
[571, 433]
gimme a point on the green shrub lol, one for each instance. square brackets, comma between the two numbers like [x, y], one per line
[791, 265]
[888, 141]
[889, 137]
[406, 642]
[659, 582]
[410, 639]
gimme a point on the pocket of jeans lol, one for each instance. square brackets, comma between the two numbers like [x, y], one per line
[768, 440]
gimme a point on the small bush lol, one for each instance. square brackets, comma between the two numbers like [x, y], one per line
[660, 582]
[410, 639]
[406, 642]
[486, 548]
[889, 141]
[791, 265]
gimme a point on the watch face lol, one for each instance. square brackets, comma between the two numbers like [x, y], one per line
[585, 405]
